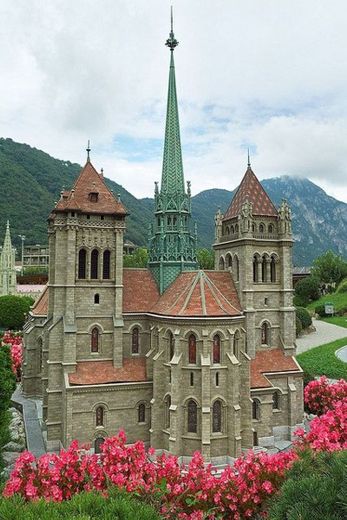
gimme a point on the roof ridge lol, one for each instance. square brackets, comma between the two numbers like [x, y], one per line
[194, 283]
[202, 291]
[214, 288]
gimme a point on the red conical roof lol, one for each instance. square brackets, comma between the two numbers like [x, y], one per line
[252, 191]
[90, 195]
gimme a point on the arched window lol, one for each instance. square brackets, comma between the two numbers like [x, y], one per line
[232, 231]
[99, 441]
[167, 411]
[273, 269]
[217, 417]
[39, 349]
[192, 379]
[94, 264]
[276, 401]
[265, 333]
[192, 416]
[171, 345]
[141, 413]
[255, 268]
[217, 378]
[106, 265]
[94, 347]
[221, 264]
[216, 349]
[255, 439]
[99, 416]
[256, 409]
[82, 258]
[236, 228]
[135, 341]
[271, 228]
[227, 230]
[263, 269]
[261, 228]
[192, 349]
[236, 344]
[96, 298]
[237, 268]
[229, 260]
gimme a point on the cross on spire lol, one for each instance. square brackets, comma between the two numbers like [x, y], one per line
[248, 159]
[88, 149]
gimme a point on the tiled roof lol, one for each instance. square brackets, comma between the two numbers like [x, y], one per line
[103, 372]
[40, 307]
[140, 291]
[252, 191]
[270, 362]
[80, 197]
[200, 293]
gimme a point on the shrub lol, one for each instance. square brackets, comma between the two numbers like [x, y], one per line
[13, 311]
[308, 288]
[315, 489]
[7, 386]
[320, 396]
[298, 326]
[299, 301]
[342, 288]
[303, 315]
[329, 268]
[320, 310]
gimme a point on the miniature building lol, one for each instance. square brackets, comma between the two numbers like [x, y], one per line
[8, 280]
[180, 358]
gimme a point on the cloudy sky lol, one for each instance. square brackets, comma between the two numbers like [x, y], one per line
[270, 75]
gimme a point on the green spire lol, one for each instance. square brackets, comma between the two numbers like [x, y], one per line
[172, 180]
[172, 239]
[7, 265]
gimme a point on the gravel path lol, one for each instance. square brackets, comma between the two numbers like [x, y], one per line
[325, 333]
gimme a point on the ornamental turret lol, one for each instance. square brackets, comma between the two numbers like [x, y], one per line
[8, 281]
[172, 241]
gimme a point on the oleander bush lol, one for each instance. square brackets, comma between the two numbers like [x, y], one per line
[321, 396]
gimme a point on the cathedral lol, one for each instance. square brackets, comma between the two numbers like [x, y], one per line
[181, 358]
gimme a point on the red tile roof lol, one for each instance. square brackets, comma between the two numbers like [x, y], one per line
[252, 191]
[79, 197]
[40, 307]
[270, 362]
[200, 293]
[140, 291]
[103, 372]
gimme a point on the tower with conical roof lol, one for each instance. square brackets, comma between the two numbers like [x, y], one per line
[172, 243]
[7, 265]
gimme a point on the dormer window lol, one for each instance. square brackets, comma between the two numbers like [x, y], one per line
[93, 196]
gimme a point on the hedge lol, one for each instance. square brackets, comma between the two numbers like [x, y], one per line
[303, 315]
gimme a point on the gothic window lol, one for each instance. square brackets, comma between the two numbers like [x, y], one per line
[232, 230]
[192, 416]
[98, 443]
[192, 349]
[255, 439]
[106, 265]
[271, 228]
[221, 264]
[276, 401]
[261, 228]
[216, 349]
[99, 416]
[237, 268]
[217, 417]
[217, 378]
[141, 413]
[192, 379]
[236, 228]
[82, 257]
[273, 269]
[167, 411]
[95, 340]
[236, 343]
[40, 347]
[135, 341]
[256, 409]
[255, 268]
[263, 269]
[171, 345]
[94, 264]
[265, 333]
[253, 228]
[227, 230]
[96, 298]
[229, 260]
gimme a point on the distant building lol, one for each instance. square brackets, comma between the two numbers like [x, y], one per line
[129, 247]
[300, 273]
[7, 265]
[36, 256]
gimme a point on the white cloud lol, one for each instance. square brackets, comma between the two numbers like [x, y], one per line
[268, 74]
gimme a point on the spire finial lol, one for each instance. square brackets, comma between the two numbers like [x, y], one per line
[88, 149]
[171, 42]
[248, 159]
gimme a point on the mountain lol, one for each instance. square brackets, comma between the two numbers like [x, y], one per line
[31, 181]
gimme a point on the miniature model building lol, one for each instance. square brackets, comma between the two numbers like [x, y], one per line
[180, 358]
[8, 279]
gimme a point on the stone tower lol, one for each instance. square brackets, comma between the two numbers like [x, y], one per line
[254, 240]
[85, 289]
[172, 245]
[8, 283]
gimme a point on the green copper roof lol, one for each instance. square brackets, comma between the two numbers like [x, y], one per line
[172, 180]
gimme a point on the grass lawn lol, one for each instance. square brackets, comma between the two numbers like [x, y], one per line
[321, 361]
[338, 299]
[341, 321]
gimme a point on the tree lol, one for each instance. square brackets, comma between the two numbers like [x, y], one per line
[138, 259]
[308, 289]
[329, 268]
[205, 258]
[13, 311]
